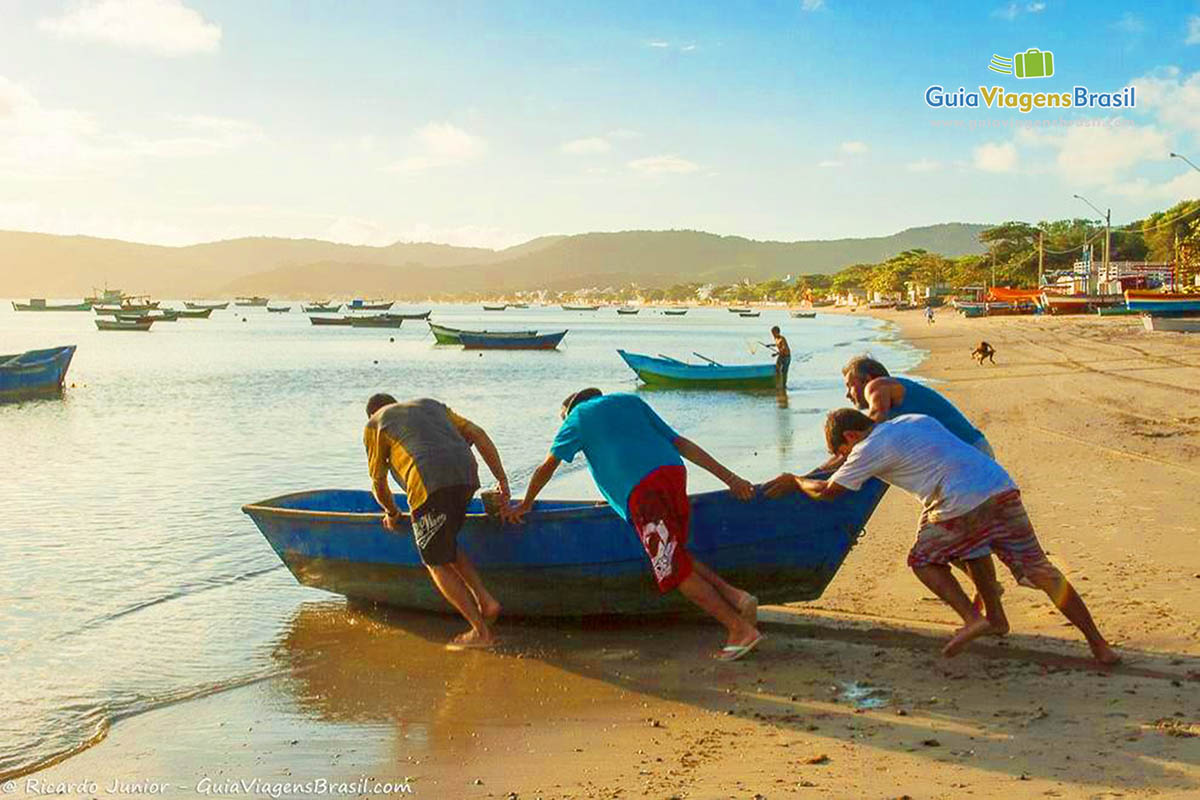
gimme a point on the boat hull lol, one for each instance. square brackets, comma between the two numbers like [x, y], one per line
[384, 321]
[321, 309]
[142, 324]
[445, 335]
[202, 306]
[281, 310]
[330, 321]
[1163, 303]
[43, 306]
[195, 313]
[251, 302]
[567, 559]
[678, 375]
[541, 341]
[33, 374]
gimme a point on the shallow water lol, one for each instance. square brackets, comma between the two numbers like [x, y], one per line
[129, 578]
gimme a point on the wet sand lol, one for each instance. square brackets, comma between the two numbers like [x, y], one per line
[1098, 421]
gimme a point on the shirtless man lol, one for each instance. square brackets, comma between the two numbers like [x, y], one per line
[984, 352]
[783, 357]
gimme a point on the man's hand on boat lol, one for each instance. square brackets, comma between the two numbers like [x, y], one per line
[393, 522]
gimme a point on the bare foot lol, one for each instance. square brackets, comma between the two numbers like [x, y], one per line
[471, 640]
[490, 612]
[748, 608]
[972, 630]
[1104, 653]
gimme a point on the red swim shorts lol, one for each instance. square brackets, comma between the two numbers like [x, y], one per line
[660, 512]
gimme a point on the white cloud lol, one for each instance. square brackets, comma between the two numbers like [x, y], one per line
[439, 144]
[853, 148]
[1130, 23]
[162, 27]
[1013, 10]
[41, 143]
[996, 157]
[923, 165]
[1174, 99]
[1193, 30]
[592, 145]
[656, 165]
[659, 43]
[812, 5]
[829, 164]
[1102, 154]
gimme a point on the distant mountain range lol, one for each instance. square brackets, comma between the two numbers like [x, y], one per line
[34, 264]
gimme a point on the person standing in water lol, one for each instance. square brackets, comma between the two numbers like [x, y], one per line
[427, 448]
[783, 357]
[971, 508]
[635, 459]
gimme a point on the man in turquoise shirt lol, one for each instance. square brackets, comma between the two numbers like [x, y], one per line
[635, 459]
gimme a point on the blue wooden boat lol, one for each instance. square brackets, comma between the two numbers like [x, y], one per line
[664, 371]
[492, 341]
[568, 558]
[36, 373]
[1163, 304]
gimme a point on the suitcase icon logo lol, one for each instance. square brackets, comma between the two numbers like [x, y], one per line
[1033, 63]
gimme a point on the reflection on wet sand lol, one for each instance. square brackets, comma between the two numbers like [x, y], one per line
[362, 665]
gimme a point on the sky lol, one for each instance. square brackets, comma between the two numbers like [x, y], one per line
[490, 123]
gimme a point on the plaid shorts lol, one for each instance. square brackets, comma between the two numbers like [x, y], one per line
[999, 525]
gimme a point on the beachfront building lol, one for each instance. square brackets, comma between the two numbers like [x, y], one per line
[919, 294]
[1133, 274]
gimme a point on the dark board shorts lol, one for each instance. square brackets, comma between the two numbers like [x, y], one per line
[437, 522]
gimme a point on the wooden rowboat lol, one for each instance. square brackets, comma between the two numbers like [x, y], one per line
[675, 312]
[319, 308]
[376, 321]
[370, 305]
[201, 306]
[35, 373]
[738, 310]
[345, 321]
[194, 313]
[445, 335]
[411, 315]
[567, 558]
[539, 341]
[628, 310]
[279, 309]
[581, 308]
[139, 324]
[255, 302]
[40, 304]
[804, 315]
[1163, 303]
[664, 371]
[495, 308]
[750, 314]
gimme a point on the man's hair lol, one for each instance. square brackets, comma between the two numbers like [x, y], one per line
[582, 396]
[378, 401]
[775, 330]
[865, 368]
[842, 420]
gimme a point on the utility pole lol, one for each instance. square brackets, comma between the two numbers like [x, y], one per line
[1107, 230]
[993, 286]
[1041, 255]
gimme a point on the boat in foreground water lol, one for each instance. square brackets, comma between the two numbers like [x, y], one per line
[493, 341]
[666, 371]
[569, 558]
[1163, 304]
[40, 304]
[34, 373]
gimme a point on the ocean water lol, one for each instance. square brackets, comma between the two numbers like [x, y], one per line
[130, 579]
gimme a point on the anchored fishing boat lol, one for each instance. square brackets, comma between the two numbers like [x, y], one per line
[321, 308]
[344, 321]
[279, 309]
[376, 321]
[675, 312]
[750, 314]
[255, 302]
[370, 305]
[628, 310]
[666, 371]
[569, 558]
[131, 324]
[539, 341]
[34, 373]
[738, 310]
[494, 308]
[210, 306]
[445, 335]
[411, 314]
[804, 315]
[581, 308]
[193, 313]
[40, 304]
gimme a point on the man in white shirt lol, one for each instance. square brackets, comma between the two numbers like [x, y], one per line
[970, 506]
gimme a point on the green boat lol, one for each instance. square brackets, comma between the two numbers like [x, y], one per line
[669, 372]
[445, 335]
[40, 304]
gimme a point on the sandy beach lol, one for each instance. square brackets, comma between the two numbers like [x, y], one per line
[1096, 419]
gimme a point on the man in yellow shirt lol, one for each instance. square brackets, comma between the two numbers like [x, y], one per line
[427, 448]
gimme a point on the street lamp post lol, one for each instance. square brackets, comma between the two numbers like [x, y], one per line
[1107, 229]
[1186, 160]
